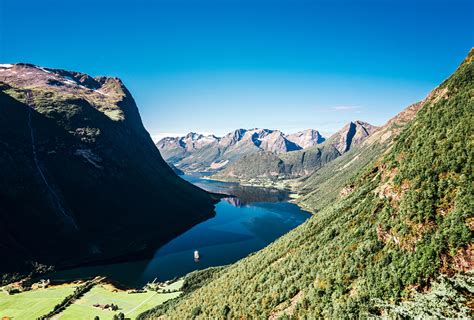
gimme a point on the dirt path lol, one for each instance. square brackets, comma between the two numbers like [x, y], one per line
[140, 304]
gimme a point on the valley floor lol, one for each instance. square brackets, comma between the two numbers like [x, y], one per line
[34, 303]
[38, 302]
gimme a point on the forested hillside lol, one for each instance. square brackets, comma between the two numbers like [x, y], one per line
[400, 241]
[332, 180]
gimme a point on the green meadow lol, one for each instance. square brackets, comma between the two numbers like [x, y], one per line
[35, 303]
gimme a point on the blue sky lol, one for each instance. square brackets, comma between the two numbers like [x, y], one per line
[214, 66]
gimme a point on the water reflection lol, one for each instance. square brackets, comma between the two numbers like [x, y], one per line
[232, 234]
[243, 194]
[236, 202]
[243, 224]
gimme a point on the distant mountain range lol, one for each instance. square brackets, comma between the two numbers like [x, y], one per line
[259, 168]
[393, 233]
[257, 154]
[204, 153]
[81, 179]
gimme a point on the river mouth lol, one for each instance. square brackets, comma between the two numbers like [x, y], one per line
[244, 223]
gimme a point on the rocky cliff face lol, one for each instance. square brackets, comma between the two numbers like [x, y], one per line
[80, 177]
[289, 165]
[197, 152]
[306, 138]
[351, 134]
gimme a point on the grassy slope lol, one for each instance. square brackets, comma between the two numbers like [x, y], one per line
[405, 221]
[32, 304]
[265, 167]
[323, 187]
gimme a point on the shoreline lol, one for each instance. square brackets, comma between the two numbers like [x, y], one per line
[293, 195]
[147, 253]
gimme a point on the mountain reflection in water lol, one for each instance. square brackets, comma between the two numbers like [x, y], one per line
[244, 223]
[243, 195]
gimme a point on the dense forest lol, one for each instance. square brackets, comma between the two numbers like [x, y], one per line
[397, 242]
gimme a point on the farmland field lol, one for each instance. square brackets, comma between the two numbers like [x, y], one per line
[34, 303]
[131, 304]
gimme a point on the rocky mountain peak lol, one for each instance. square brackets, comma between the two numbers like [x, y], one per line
[198, 152]
[306, 138]
[193, 136]
[232, 138]
[353, 133]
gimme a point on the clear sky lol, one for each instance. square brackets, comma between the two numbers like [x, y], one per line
[214, 66]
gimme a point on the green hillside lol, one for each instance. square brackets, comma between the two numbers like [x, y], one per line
[333, 180]
[403, 232]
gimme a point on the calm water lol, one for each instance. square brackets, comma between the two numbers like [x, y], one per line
[242, 225]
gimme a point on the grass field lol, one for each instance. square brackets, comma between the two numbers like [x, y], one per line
[34, 303]
[131, 304]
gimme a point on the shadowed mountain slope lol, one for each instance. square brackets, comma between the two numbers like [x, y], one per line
[81, 179]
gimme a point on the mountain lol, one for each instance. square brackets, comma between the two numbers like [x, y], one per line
[306, 138]
[176, 170]
[326, 184]
[398, 243]
[267, 167]
[81, 179]
[198, 152]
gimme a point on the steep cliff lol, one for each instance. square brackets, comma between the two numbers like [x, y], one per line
[81, 179]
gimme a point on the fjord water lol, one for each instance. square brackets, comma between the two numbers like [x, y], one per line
[243, 224]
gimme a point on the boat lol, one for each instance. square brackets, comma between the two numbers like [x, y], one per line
[196, 255]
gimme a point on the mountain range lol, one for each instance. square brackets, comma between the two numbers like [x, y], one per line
[208, 153]
[392, 236]
[273, 154]
[81, 179]
[263, 167]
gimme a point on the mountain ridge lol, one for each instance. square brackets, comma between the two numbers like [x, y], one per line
[275, 168]
[79, 171]
[397, 243]
[198, 152]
